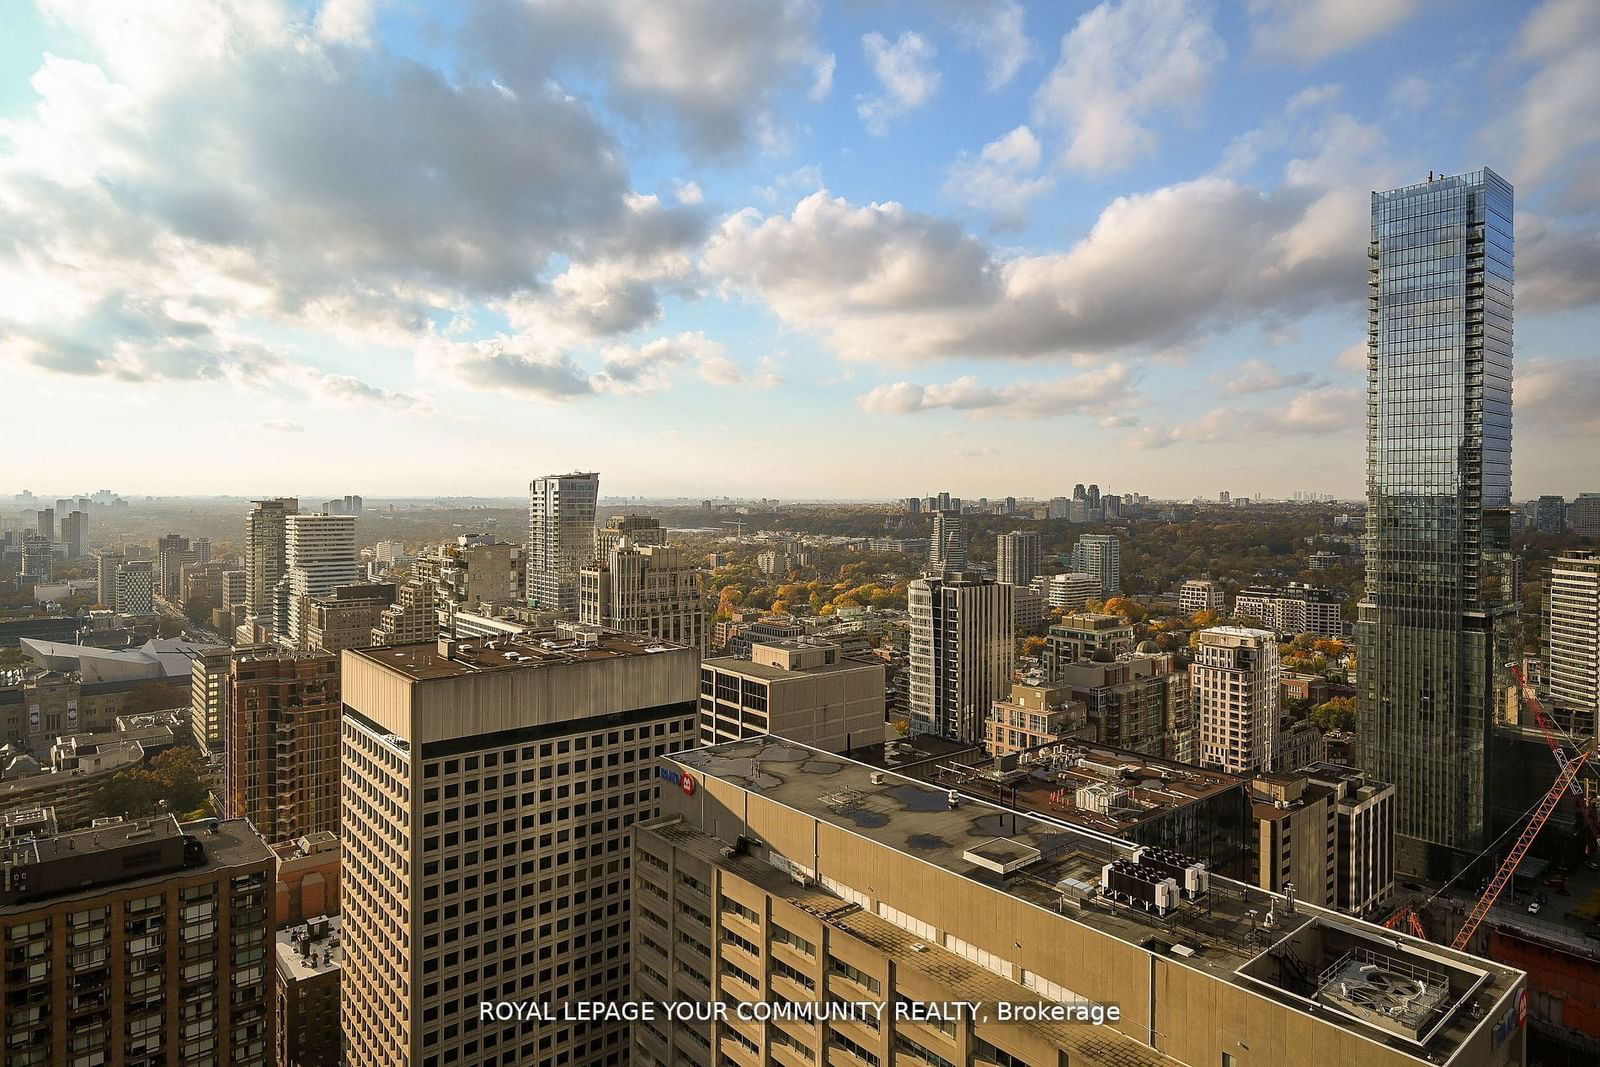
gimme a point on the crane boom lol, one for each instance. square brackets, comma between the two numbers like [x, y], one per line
[1502, 877]
[1547, 727]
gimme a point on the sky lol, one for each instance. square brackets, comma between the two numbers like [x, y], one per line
[787, 248]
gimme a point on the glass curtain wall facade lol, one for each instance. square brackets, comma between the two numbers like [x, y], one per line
[561, 514]
[1437, 617]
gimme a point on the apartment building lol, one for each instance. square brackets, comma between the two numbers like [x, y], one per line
[651, 589]
[308, 961]
[1100, 555]
[138, 943]
[947, 547]
[1035, 715]
[1294, 609]
[1071, 590]
[414, 615]
[1017, 557]
[1235, 685]
[561, 511]
[1365, 857]
[1199, 594]
[491, 791]
[780, 875]
[960, 652]
[803, 691]
[1572, 635]
[1139, 701]
[345, 618]
[319, 557]
[639, 530]
[281, 743]
[1083, 635]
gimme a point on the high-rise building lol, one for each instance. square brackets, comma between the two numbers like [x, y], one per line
[1583, 516]
[961, 649]
[1294, 609]
[780, 878]
[947, 548]
[281, 743]
[1101, 556]
[1071, 590]
[46, 523]
[1016, 557]
[1438, 616]
[414, 615]
[265, 541]
[345, 618]
[106, 563]
[138, 942]
[172, 552]
[808, 692]
[1365, 859]
[1572, 633]
[75, 533]
[38, 556]
[1199, 594]
[490, 800]
[1082, 635]
[640, 530]
[319, 556]
[208, 694]
[1234, 681]
[136, 587]
[1550, 514]
[652, 589]
[561, 513]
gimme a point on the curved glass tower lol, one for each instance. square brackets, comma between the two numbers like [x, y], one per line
[1437, 617]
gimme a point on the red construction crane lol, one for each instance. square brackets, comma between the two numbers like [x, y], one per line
[1502, 877]
[1547, 726]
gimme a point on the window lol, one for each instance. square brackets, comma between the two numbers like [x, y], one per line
[856, 975]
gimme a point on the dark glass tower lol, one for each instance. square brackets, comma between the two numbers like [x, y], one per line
[1439, 608]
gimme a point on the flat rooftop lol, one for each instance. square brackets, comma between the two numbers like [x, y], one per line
[512, 652]
[1224, 928]
[309, 949]
[771, 673]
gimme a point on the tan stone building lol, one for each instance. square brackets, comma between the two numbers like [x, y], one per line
[413, 616]
[491, 791]
[653, 589]
[1035, 715]
[806, 692]
[782, 876]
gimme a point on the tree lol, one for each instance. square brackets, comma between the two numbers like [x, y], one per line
[1033, 646]
[1338, 713]
[198, 609]
[1205, 618]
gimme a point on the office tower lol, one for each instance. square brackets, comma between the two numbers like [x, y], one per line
[766, 886]
[281, 743]
[1572, 634]
[1297, 834]
[960, 653]
[1071, 590]
[414, 615]
[172, 552]
[208, 694]
[490, 799]
[1017, 556]
[947, 548]
[653, 590]
[1294, 609]
[1094, 498]
[1199, 594]
[640, 530]
[1550, 514]
[806, 692]
[38, 556]
[913, 505]
[265, 536]
[75, 533]
[1437, 619]
[319, 556]
[137, 943]
[1583, 516]
[1234, 681]
[561, 511]
[1101, 556]
[1364, 809]
[136, 588]
[1083, 635]
[942, 503]
[105, 573]
[346, 617]
[46, 524]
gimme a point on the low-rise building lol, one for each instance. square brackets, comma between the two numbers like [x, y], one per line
[1071, 590]
[1080, 635]
[806, 692]
[308, 960]
[1294, 609]
[307, 874]
[1035, 715]
[1365, 846]
[1199, 594]
[1139, 701]
[1297, 837]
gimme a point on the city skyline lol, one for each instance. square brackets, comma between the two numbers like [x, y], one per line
[1033, 201]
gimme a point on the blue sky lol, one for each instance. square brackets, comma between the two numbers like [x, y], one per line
[783, 248]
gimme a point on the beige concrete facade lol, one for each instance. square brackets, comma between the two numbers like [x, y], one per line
[808, 693]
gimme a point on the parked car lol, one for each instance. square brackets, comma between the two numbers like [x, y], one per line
[1533, 907]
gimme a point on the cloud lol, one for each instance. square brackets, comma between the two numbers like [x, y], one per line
[1353, 358]
[1122, 64]
[905, 70]
[508, 364]
[998, 35]
[344, 388]
[1557, 119]
[720, 370]
[1084, 393]
[281, 426]
[804, 180]
[1559, 394]
[1308, 30]
[1557, 269]
[1258, 376]
[1319, 413]
[1114, 422]
[1003, 179]
[688, 192]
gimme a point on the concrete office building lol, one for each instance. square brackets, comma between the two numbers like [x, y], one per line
[1235, 685]
[1294, 609]
[1017, 557]
[1365, 860]
[650, 589]
[281, 743]
[1433, 642]
[1572, 635]
[1297, 837]
[561, 513]
[138, 943]
[1082, 635]
[1100, 555]
[960, 653]
[807, 692]
[490, 798]
[788, 875]
[1199, 594]
[319, 557]
[136, 588]
[266, 552]
[947, 547]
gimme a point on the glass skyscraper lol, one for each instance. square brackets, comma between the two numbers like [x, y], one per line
[1437, 619]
